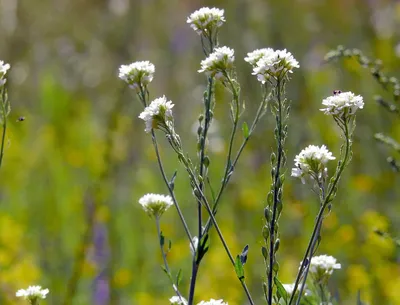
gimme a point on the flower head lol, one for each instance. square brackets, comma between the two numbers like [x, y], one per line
[158, 114]
[155, 204]
[312, 161]
[213, 302]
[321, 267]
[194, 244]
[32, 293]
[253, 57]
[218, 62]
[176, 300]
[342, 103]
[268, 63]
[3, 71]
[138, 74]
[206, 20]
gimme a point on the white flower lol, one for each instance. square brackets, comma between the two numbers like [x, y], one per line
[218, 62]
[176, 300]
[155, 204]
[268, 63]
[312, 161]
[32, 293]
[3, 71]
[321, 267]
[342, 103]
[289, 288]
[253, 57]
[213, 302]
[158, 114]
[137, 74]
[194, 244]
[206, 20]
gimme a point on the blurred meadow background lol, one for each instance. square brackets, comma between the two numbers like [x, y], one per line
[75, 168]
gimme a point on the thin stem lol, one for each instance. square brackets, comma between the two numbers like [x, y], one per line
[303, 284]
[165, 259]
[203, 147]
[207, 122]
[226, 178]
[276, 191]
[195, 269]
[171, 192]
[3, 137]
[214, 221]
[327, 200]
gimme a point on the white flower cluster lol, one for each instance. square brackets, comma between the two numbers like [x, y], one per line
[176, 300]
[321, 267]
[342, 103]
[269, 63]
[218, 62]
[3, 71]
[32, 293]
[138, 74]
[206, 20]
[213, 302]
[312, 161]
[157, 114]
[155, 204]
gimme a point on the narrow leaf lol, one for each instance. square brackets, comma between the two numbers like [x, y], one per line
[239, 268]
[281, 292]
[245, 129]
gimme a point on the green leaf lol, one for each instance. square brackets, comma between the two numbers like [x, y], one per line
[162, 239]
[239, 268]
[245, 129]
[179, 277]
[202, 249]
[281, 292]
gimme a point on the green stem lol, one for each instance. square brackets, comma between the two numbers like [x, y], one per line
[165, 259]
[171, 192]
[226, 178]
[214, 221]
[327, 200]
[3, 137]
[276, 191]
[207, 121]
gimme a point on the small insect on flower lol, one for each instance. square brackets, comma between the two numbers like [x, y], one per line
[336, 92]
[21, 119]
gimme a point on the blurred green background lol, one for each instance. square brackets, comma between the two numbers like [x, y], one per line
[81, 156]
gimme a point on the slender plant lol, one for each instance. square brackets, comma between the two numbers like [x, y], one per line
[272, 69]
[390, 84]
[5, 106]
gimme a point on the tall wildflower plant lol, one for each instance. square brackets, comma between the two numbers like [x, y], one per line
[390, 84]
[272, 68]
[311, 166]
[5, 106]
